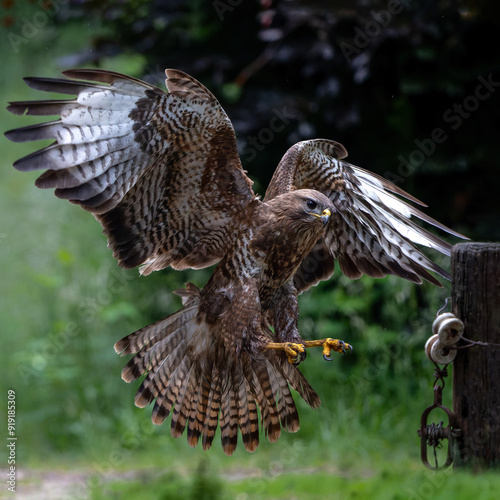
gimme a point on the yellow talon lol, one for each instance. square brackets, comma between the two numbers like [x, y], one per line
[293, 351]
[334, 345]
[297, 352]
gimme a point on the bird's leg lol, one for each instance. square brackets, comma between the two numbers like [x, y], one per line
[329, 345]
[284, 317]
[296, 350]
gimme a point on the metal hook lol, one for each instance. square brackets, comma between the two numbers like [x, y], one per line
[444, 307]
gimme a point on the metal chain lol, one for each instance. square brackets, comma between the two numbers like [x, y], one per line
[440, 374]
[431, 435]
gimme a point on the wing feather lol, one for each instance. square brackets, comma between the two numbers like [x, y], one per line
[159, 169]
[371, 231]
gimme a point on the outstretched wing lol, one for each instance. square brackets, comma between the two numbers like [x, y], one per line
[371, 231]
[159, 170]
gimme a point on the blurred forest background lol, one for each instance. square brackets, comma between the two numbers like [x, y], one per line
[410, 88]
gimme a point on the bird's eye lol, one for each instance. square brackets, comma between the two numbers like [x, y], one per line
[311, 204]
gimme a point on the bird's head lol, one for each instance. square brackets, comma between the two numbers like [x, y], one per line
[314, 209]
[306, 206]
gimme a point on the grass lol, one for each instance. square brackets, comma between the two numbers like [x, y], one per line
[398, 482]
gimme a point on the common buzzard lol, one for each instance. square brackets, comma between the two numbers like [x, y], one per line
[160, 171]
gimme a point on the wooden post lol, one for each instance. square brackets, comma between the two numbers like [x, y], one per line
[476, 371]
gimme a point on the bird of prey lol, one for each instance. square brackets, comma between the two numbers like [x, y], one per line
[159, 169]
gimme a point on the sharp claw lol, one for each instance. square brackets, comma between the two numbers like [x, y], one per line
[295, 352]
[335, 345]
[301, 357]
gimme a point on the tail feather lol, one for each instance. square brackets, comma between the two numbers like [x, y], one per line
[175, 377]
[157, 380]
[193, 407]
[229, 420]
[198, 412]
[299, 383]
[289, 417]
[251, 434]
[183, 404]
[246, 408]
[134, 342]
[266, 401]
[213, 407]
[149, 358]
[204, 383]
[247, 419]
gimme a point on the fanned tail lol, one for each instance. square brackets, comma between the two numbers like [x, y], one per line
[202, 384]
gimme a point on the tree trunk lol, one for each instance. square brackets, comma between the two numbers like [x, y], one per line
[476, 371]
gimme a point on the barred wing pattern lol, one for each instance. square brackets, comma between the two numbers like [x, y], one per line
[159, 170]
[371, 231]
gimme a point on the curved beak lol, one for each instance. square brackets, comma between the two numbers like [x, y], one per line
[324, 217]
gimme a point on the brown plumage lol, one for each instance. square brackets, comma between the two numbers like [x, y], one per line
[160, 172]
